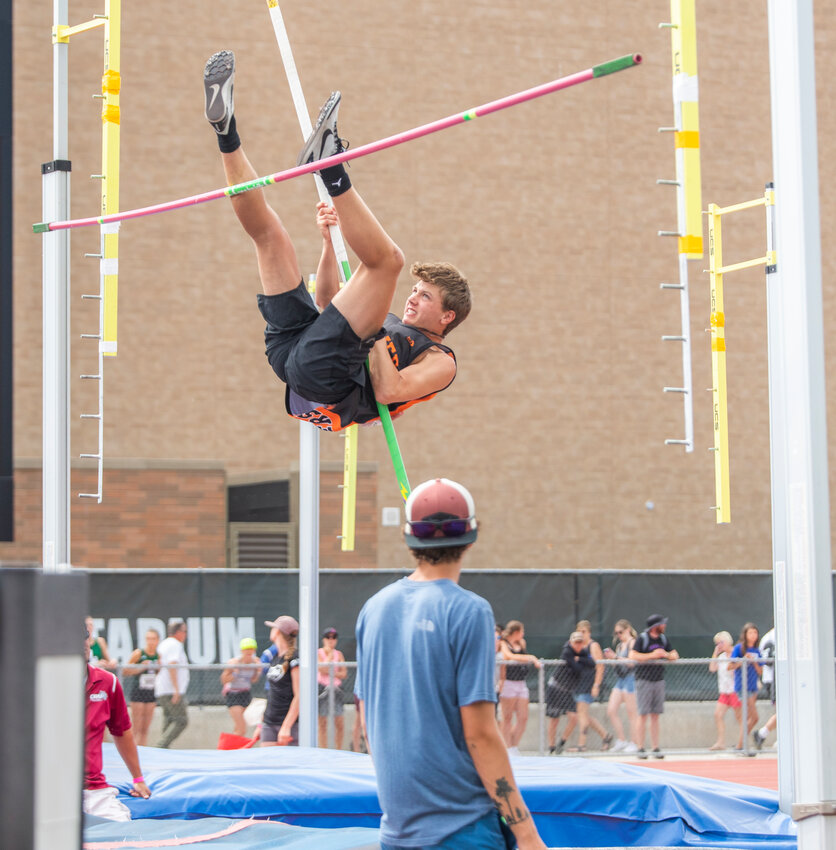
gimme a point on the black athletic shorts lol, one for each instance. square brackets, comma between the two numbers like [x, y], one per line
[559, 701]
[143, 695]
[242, 698]
[317, 355]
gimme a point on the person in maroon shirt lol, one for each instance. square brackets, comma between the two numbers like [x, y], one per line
[105, 708]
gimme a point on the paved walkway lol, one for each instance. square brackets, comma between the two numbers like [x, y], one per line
[760, 770]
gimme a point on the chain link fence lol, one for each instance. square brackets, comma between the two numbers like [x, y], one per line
[690, 721]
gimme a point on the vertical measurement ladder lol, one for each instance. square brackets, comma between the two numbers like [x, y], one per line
[109, 177]
[688, 190]
[717, 320]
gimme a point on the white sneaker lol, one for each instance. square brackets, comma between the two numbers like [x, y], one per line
[619, 746]
[630, 747]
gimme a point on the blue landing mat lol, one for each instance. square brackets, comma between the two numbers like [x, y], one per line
[224, 834]
[575, 802]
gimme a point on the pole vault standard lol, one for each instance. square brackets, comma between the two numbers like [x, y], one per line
[602, 70]
[309, 450]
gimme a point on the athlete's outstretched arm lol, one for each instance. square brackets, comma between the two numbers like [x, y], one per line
[327, 275]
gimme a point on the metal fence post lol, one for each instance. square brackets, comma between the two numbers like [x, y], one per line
[744, 693]
[331, 721]
[541, 702]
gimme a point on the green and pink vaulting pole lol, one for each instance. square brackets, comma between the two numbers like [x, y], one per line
[601, 70]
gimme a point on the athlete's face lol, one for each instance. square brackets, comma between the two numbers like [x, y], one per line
[424, 308]
[152, 640]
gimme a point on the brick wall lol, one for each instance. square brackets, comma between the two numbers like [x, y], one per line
[331, 555]
[152, 517]
[161, 515]
[556, 420]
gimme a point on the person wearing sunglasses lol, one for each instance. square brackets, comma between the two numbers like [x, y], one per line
[329, 678]
[425, 690]
[624, 690]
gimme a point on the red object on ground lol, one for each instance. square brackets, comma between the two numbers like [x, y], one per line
[228, 741]
[759, 771]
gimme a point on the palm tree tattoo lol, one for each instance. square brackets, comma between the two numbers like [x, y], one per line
[504, 789]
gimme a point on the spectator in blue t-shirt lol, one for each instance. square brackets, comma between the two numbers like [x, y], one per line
[425, 690]
[747, 648]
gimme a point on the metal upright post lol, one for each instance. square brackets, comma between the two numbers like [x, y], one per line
[56, 320]
[744, 693]
[778, 488]
[803, 591]
[718, 367]
[688, 189]
[308, 580]
[7, 531]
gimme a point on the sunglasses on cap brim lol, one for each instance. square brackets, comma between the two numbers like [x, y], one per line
[425, 528]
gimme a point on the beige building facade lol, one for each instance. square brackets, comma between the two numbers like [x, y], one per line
[557, 419]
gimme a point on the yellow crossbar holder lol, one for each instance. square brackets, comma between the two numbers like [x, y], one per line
[61, 32]
[111, 117]
[686, 137]
[111, 21]
[108, 256]
[717, 328]
[687, 134]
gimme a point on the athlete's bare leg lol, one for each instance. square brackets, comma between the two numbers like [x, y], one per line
[366, 300]
[278, 267]
[277, 263]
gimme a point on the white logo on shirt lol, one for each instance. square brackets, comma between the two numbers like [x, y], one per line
[100, 696]
[425, 625]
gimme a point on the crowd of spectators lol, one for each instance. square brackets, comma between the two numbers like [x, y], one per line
[633, 662]
[637, 663]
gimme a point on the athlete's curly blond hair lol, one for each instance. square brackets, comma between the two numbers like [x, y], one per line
[455, 290]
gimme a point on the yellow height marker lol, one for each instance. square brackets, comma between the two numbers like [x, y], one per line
[111, 85]
[111, 21]
[718, 331]
[352, 442]
[687, 135]
[718, 367]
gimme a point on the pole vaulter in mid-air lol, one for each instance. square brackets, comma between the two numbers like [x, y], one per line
[322, 356]
[330, 391]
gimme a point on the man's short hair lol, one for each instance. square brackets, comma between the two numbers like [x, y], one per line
[174, 626]
[455, 291]
[439, 556]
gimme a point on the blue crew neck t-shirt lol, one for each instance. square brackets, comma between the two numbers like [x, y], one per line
[754, 654]
[424, 649]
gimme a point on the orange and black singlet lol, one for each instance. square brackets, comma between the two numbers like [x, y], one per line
[404, 344]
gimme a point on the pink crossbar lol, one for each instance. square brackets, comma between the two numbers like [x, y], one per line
[345, 156]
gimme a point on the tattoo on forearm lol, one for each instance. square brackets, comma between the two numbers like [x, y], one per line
[520, 816]
[502, 795]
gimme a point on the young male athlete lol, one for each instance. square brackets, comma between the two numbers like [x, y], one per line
[321, 356]
[425, 690]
